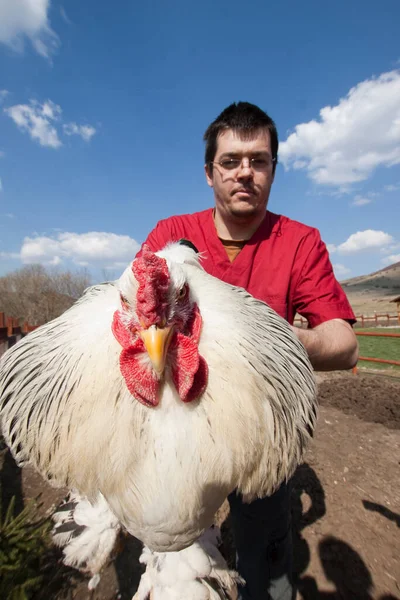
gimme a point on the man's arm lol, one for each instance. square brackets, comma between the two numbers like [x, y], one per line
[331, 346]
[330, 342]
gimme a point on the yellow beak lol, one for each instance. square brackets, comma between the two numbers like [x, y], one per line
[156, 341]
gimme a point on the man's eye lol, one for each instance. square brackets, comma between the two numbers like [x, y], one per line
[230, 163]
[259, 163]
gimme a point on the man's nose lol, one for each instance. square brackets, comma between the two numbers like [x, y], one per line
[245, 171]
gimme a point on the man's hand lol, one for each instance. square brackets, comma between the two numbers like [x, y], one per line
[330, 346]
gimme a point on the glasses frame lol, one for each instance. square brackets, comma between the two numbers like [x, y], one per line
[240, 165]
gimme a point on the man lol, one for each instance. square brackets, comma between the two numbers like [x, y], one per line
[283, 263]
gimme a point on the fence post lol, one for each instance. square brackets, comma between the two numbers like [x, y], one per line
[9, 326]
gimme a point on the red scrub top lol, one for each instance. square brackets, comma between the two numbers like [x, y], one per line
[285, 264]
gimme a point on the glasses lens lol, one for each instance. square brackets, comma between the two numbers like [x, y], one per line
[230, 163]
[260, 164]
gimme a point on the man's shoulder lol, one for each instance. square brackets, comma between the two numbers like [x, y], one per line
[285, 225]
[186, 220]
[194, 227]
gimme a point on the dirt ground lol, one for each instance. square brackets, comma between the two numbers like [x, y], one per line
[345, 504]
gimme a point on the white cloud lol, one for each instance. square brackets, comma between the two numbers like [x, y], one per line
[361, 201]
[390, 260]
[85, 131]
[331, 248]
[12, 255]
[364, 240]
[340, 270]
[116, 265]
[94, 247]
[20, 19]
[3, 95]
[65, 16]
[390, 249]
[392, 188]
[38, 120]
[352, 138]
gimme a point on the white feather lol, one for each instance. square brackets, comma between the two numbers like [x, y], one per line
[92, 531]
[199, 572]
[164, 471]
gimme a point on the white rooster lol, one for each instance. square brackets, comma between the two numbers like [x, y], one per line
[154, 397]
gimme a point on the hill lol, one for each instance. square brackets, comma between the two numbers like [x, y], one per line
[373, 293]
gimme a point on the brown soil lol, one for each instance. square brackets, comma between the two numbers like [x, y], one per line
[346, 503]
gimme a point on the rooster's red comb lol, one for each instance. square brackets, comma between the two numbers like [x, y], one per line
[152, 275]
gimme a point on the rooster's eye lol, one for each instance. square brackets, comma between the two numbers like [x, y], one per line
[124, 301]
[182, 293]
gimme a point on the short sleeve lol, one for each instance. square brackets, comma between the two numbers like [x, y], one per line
[315, 292]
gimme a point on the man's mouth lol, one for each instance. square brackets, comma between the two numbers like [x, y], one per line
[244, 191]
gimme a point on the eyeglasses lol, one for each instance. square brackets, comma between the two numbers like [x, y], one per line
[257, 163]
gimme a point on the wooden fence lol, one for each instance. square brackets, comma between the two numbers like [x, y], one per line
[385, 319]
[11, 331]
[378, 360]
[365, 321]
[378, 319]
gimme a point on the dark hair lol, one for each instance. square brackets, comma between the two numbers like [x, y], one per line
[246, 119]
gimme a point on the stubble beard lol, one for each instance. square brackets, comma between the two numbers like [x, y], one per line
[245, 211]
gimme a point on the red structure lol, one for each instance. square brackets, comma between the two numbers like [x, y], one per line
[11, 331]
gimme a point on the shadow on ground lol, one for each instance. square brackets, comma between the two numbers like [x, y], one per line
[343, 567]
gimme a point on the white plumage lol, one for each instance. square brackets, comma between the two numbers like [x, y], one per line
[162, 471]
[198, 572]
[87, 532]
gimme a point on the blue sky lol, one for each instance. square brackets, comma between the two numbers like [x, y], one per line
[103, 107]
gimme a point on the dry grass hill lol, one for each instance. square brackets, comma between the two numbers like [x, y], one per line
[373, 293]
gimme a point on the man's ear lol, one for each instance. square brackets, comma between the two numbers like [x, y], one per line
[209, 176]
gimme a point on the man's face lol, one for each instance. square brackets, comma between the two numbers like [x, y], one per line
[241, 194]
